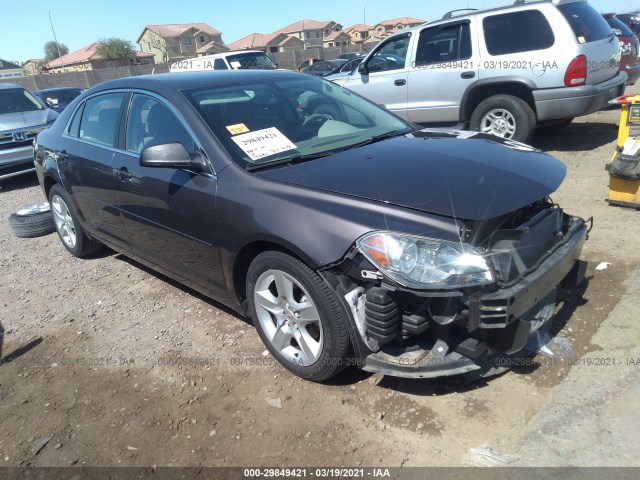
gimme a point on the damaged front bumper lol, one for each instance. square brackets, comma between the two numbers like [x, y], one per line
[479, 333]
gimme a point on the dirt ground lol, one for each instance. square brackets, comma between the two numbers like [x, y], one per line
[120, 366]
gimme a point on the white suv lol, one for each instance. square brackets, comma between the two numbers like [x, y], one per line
[234, 60]
[501, 71]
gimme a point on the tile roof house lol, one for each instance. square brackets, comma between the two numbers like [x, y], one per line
[312, 32]
[387, 27]
[87, 58]
[358, 32]
[269, 43]
[336, 39]
[33, 66]
[10, 70]
[178, 41]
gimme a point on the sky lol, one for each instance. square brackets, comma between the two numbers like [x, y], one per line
[26, 27]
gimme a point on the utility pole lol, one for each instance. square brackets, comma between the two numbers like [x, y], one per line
[56, 39]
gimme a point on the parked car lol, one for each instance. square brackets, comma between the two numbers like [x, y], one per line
[352, 238]
[501, 71]
[631, 20]
[352, 55]
[233, 60]
[308, 62]
[323, 68]
[629, 61]
[58, 98]
[22, 116]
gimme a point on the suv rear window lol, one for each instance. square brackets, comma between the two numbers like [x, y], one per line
[516, 32]
[587, 24]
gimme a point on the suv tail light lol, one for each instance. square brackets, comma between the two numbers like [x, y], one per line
[576, 72]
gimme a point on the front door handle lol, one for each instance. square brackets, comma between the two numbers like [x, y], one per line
[400, 83]
[123, 174]
[467, 75]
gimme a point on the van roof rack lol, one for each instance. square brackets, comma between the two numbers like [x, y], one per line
[451, 13]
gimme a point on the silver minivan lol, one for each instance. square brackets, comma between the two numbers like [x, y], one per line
[501, 71]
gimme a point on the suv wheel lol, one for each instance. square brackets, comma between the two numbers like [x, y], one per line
[504, 116]
[298, 317]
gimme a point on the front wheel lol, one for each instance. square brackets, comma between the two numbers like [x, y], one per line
[297, 315]
[505, 116]
[65, 220]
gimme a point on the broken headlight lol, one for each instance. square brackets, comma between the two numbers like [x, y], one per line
[422, 262]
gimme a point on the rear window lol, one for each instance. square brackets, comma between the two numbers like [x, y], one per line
[587, 24]
[516, 32]
[619, 28]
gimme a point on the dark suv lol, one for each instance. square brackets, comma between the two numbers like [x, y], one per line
[348, 238]
[22, 116]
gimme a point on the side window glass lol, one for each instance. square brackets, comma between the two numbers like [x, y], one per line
[100, 118]
[150, 122]
[391, 56]
[517, 32]
[444, 44]
[219, 64]
[74, 126]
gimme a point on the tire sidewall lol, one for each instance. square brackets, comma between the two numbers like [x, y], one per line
[332, 358]
[77, 249]
[525, 120]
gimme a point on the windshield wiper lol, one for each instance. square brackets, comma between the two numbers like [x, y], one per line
[377, 138]
[287, 161]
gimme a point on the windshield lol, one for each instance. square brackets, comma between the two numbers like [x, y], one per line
[16, 100]
[290, 119]
[251, 61]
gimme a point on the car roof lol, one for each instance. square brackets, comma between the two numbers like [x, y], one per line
[58, 89]
[475, 12]
[196, 79]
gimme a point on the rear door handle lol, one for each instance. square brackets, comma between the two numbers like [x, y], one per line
[467, 75]
[400, 83]
[123, 174]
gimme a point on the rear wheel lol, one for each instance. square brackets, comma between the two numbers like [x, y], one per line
[71, 233]
[297, 315]
[504, 116]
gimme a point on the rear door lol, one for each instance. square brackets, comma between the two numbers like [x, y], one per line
[85, 165]
[442, 68]
[596, 40]
[385, 82]
[169, 213]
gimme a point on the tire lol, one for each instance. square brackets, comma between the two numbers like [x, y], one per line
[311, 342]
[505, 116]
[32, 221]
[69, 229]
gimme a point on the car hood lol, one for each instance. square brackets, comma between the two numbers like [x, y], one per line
[458, 174]
[14, 121]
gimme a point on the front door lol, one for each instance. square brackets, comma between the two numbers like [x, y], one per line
[169, 213]
[385, 82]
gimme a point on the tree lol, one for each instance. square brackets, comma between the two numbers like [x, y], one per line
[115, 49]
[52, 48]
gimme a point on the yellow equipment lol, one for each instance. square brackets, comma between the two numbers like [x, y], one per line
[624, 169]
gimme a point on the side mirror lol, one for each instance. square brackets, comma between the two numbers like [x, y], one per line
[171, 155]
[49, 103]
[363, 69]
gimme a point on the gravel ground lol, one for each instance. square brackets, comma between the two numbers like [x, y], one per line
[119, 365]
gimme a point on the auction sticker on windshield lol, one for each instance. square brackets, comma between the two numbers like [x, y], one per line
[263, 143]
